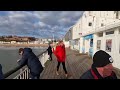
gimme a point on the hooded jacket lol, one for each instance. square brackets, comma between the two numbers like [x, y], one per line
[49, 50]
[32, 61]
[1, 73]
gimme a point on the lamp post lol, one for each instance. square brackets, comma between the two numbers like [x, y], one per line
[53, 38]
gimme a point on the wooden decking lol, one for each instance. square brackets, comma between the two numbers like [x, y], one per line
[76, 65]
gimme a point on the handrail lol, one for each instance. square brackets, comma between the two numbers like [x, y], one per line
[12, 71]
[18, 67]
[41, 53]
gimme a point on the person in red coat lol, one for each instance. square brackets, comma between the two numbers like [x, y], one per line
[60, 53]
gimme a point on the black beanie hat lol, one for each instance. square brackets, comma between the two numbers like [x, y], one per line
[101, 58]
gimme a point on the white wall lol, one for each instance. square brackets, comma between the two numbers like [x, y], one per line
[85, 24]
[66, 43]
[105, 17]
[87, 45]
[118, 53]
[81, 45]
[115, 46]
[76, 31]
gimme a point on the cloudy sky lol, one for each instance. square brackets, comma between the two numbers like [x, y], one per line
[42, 24]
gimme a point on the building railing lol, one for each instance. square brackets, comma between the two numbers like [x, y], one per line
[24, 71]
[103, 28]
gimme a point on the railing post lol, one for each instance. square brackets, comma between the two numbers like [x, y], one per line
[25, 75]
[43, 59]
[20, 77]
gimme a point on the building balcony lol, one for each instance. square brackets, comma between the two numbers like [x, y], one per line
[103, 28]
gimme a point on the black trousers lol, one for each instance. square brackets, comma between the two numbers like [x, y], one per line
[50, 56]
[63, 64]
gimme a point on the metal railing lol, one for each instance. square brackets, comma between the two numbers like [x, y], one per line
[24, 71]
[23, 74]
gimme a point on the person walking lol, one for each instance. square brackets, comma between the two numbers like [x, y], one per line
[50, 52]
[60, 53]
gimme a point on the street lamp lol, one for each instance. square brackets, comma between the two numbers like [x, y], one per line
[53, 38]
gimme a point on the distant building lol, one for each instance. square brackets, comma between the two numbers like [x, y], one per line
[16, 39]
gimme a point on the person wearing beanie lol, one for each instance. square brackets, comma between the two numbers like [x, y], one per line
[101, 68]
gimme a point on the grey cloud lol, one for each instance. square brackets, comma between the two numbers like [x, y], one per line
[38, 23]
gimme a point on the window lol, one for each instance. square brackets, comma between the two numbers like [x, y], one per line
[98, 44]
[117, 14]
[119, 47]
[100, 34]
[79, 26]
[91, 42]
[93, 18]
[102, 24]
[110, 32]
[83, 42]
[76, 42]
[90, 24]
[90, 13]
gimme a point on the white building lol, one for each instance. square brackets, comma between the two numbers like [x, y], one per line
[108, 40]
[91, 22]
[99, 30]
[13, 42]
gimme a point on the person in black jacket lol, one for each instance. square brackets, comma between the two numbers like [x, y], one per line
[32, 61]
[1, 73]
[50, 52]
[101, 68]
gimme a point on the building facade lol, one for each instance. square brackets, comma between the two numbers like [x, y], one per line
[98, 30]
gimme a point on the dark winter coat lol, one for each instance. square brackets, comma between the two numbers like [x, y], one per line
[49, 50]
[93, 74]
[1, 73]
[32, 61]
